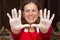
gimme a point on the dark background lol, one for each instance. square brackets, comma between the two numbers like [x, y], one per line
[7, 5]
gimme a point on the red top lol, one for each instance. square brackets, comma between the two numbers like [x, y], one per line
[32, 36]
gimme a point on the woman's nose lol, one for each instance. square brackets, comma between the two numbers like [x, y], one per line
[30, 13]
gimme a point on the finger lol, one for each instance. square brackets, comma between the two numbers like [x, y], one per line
[12, 13]
[52, 17]
[20, 14]
[41, 14]
[9, 16]
[25, 25]
[15, 12]
[45, 13]
[48, 15]
[34, 25]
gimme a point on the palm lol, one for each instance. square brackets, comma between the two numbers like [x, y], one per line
[15, 20]
[45, 20]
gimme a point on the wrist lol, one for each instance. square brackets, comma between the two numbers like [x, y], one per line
[43, 30]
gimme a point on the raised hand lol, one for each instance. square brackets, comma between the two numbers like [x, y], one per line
[15, 20]
[45, 20]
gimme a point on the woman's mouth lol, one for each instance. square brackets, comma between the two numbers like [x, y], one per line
[30, 18]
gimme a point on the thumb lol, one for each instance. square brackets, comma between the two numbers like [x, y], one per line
[35, 25]
[25, 25]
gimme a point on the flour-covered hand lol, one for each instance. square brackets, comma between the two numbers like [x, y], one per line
[15, 20]
[45, 20]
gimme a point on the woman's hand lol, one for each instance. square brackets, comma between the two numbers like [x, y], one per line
[15, 20]
[45, 21]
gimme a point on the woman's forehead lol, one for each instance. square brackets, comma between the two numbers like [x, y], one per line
[30, 6]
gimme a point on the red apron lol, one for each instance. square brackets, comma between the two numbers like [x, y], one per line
[30, 36]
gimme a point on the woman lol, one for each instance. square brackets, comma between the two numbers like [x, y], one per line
[30, 28]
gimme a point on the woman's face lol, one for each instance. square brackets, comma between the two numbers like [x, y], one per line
[30, 13]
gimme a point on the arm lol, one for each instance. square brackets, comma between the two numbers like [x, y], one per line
[16, 36]
[15, 21]
[47, 36]
[45, 24]
[45, 21]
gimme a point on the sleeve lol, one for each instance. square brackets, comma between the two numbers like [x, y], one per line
[47, 36]
[16, 36]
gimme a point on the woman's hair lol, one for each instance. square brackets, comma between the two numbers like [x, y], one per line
[25, 2]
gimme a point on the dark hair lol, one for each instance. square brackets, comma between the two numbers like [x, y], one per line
[23, 3]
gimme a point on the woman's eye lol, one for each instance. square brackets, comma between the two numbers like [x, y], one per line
[34, 10]
[27, 11]
[30, 11]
